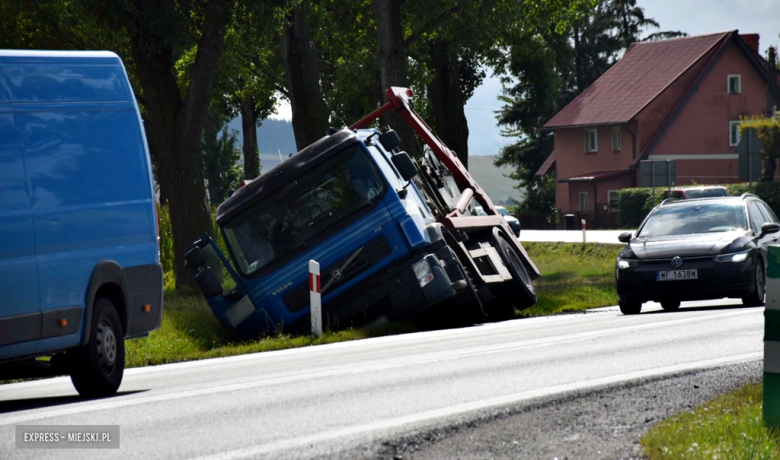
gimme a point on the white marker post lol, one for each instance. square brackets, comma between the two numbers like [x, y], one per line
[584, 240]
[315, 298]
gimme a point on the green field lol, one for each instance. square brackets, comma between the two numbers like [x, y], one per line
[575, 277]
[729, 427]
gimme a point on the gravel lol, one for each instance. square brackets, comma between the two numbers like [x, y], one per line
[598, 424]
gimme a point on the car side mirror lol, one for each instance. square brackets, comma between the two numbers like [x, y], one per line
[405, 166]
[389, 140]
[625, 237]
[208, 283]
[769, 227]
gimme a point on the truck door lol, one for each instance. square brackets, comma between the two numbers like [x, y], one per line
[20, 322]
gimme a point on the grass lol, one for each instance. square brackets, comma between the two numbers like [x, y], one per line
[729, 427]
[575, 277]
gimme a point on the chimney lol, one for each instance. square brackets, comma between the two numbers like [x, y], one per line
[751, 40]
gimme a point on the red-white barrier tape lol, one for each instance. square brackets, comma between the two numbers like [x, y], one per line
[315, 298]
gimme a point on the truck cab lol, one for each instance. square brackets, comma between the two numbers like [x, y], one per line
[393, 237]
[343, 202]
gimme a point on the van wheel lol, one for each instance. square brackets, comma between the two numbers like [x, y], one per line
[98, 366]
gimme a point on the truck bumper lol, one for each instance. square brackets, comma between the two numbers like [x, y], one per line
[393, 292]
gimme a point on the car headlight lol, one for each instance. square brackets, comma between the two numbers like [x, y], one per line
[733, 257]
[422, 270]
[627, 263]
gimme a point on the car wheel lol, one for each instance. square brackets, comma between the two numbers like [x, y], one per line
[630, 308]
[98, 366]
[670, 305]
[756, 298]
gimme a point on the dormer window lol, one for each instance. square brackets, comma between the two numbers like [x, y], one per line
[591, 140]
[734, 84]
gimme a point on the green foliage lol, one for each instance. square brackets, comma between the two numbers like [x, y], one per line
[220, 158]
[767, 191]
[729, 427]
[768, 132]
[635, 203]
[166, 246]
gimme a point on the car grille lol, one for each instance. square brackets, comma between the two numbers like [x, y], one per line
[370, 254]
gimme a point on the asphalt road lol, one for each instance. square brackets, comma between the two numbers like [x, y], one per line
[327, 400]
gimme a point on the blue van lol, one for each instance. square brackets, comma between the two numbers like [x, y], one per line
[79, 256]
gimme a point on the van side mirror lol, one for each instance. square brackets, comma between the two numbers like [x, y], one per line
[625, 237]
[389, 140]
[405, 166]
[208, 283]
[769, 227]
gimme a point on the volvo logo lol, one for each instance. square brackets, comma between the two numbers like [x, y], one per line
[336, 275]
[677, 262]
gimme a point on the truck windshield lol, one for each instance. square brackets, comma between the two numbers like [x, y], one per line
[287, 222]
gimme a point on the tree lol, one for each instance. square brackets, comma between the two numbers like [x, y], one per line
[767, 130]
[309, 112]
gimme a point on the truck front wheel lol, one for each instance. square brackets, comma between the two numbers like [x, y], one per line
[98, 366]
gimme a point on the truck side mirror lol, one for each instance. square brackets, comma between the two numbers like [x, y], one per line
[389, 140]
[194, 258]
[208, 283]
[625, 237]
[404, 165]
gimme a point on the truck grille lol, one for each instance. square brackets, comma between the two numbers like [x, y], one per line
[334, 275]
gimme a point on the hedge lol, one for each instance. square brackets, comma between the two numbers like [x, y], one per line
[635, 203]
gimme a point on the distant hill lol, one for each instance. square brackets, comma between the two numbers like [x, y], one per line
[494, 180]
[276, 136]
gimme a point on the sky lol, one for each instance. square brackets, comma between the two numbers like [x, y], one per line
[694, 17]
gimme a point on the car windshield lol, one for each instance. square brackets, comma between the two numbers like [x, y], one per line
[479, 211]
[706, 193]
[695, 218]
[283, 224]
[502, 211]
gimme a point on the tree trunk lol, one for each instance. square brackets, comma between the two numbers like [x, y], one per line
[578, 59]
[392, 63]
[249, 128]
[176, 123]
[309, 112]
[447, 100]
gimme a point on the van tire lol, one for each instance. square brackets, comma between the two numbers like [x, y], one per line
[98, 366]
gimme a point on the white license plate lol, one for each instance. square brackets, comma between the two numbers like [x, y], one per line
[677, 275]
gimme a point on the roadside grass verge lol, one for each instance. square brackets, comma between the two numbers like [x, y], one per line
[729, 427]
[575, 277]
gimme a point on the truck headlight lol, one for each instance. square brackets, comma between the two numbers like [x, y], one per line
[733, 257]
[627, 263]
[422, 270]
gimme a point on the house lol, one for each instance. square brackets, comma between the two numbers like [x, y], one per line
[677, 99]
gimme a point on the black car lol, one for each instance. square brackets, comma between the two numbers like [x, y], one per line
[698, 249]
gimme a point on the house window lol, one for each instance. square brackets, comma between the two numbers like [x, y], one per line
[734, 84]
[583, 201]
[612, 197]
[733, 133]
[616, 139]
[591, 140]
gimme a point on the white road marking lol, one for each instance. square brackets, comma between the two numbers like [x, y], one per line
[426, 416]
[308, 374]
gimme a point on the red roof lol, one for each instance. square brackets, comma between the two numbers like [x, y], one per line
[634, 81]
[547, 165]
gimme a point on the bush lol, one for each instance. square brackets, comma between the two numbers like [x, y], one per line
[635, 203]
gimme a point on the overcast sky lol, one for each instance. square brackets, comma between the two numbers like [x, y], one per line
[694, 17]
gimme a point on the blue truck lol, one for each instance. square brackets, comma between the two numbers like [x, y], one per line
[394, 237]
[79, 256]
